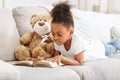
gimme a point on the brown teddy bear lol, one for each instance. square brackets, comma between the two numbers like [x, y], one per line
[37, 43]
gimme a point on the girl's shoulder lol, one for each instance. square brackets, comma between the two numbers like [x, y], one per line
[78, 39]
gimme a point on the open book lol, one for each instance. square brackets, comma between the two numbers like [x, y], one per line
[40, 63]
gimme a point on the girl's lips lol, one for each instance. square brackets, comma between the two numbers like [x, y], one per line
[57, 42]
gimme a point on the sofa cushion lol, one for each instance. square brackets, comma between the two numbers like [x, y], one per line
[41, 73]
[9, 36]
[8, 72]
[104, 69]
[85, 72]
[23, 14]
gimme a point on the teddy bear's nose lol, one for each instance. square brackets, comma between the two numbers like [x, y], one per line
[41, 23]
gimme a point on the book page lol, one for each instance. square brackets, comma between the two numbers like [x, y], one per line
[22, 63]
[44, 63]
[40, 63]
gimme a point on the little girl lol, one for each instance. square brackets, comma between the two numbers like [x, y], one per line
[70, 48]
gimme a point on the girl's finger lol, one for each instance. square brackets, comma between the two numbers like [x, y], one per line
[59, 61]
[40, 58]
[29, 59]
[50, 59]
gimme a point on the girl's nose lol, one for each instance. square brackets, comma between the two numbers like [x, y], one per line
[55, 38]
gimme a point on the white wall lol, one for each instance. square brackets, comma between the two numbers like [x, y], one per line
[15, 3]
[114, 4]
[1, 5]
[74, 2]
[90, 3]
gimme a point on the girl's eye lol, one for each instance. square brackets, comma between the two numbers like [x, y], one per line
[60, 35]
[53, 34]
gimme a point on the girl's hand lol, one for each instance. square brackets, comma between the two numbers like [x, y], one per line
[29, 59]
[56, 59]
[35, 59]
[40, 58]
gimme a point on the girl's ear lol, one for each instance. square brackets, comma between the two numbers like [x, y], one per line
[71, 31]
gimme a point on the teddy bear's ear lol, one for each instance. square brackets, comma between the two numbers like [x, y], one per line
[46, 17]
[32, 20]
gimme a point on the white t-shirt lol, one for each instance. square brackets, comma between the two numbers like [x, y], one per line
[93, 49]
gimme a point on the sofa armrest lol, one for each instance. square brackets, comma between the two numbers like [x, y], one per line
[8, 71]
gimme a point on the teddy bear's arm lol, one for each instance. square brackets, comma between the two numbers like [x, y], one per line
[26, 38]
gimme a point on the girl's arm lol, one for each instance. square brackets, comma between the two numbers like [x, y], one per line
[79, 57]
[78, 60]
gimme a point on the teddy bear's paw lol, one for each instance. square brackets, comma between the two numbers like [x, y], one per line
[39, 51]
[50, 48]
[43, 45]
[49, 38]
[35, 41]
[26, 38]
[22, 52]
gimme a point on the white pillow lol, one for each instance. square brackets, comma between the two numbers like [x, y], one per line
[23, 14]
[9, 37]
[93, 24]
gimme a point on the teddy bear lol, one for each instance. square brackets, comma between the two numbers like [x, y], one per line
[36, 43]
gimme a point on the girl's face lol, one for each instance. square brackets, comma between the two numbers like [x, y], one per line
[61, 34]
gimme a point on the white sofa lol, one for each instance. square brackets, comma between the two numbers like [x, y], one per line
[92, 25]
